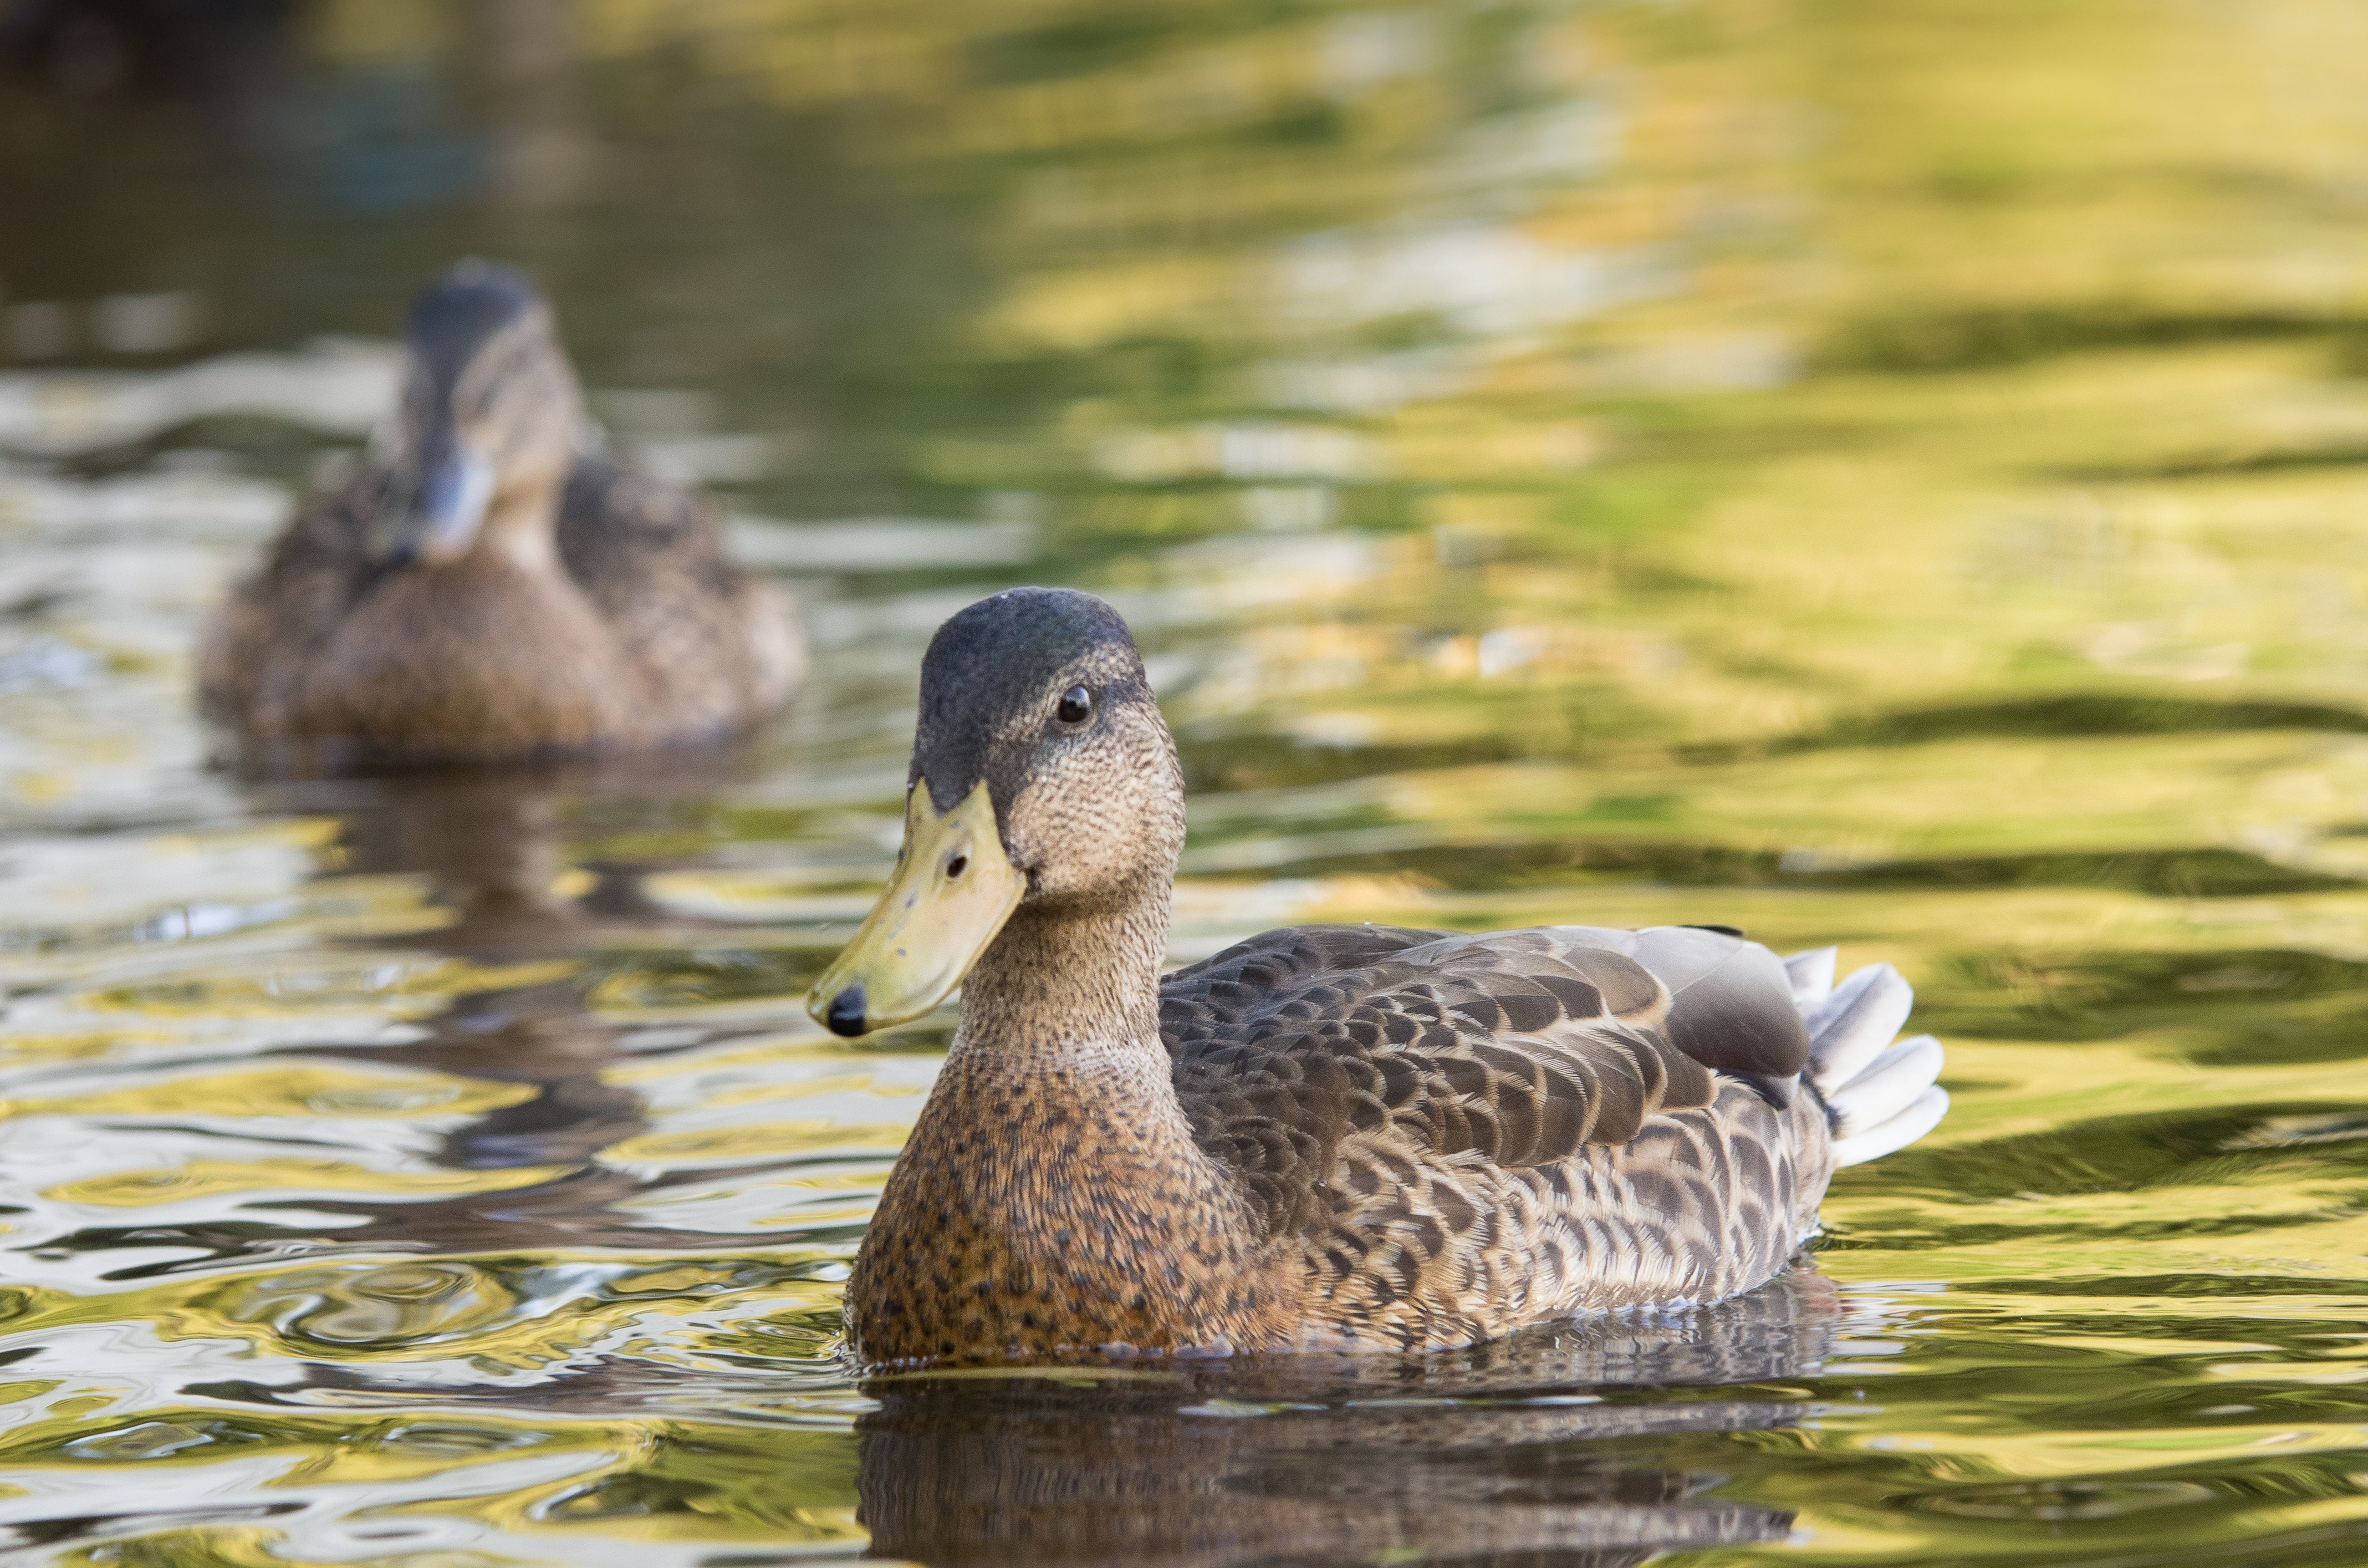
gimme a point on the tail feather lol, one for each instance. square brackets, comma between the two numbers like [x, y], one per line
[1811, 974]
[1882, 1096]
[1860, 1018]
[1923, 1114]
[1838, 998]
[1892, 1080]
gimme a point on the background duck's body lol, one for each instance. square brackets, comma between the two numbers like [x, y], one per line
[1327, 1137]
[476, 589]
[640, 633]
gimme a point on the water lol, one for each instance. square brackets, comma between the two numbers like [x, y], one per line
[1877, 474]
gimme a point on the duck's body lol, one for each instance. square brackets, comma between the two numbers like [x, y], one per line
[1327, 1137]
[476, 589]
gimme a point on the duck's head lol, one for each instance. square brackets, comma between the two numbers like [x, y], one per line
[487, 419]
[1042, 777]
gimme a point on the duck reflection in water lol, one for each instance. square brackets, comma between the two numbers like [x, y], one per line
[1586, 1444]
[490, 846]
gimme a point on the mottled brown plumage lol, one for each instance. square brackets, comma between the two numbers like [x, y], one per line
[1462, 1134]
[473, 588]
[1324, 1137]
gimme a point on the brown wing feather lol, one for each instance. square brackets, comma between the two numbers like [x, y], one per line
[277, 621]
[1518, 1049]
[651, 558]
[615, 525]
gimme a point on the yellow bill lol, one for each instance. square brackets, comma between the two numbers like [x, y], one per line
[951, 892]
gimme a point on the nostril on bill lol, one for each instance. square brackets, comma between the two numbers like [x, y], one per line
[847, 1011]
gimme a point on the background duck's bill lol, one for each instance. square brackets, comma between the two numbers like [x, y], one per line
[951, 892]
[455, 487]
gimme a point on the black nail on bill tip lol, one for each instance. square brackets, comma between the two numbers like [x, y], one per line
[847, 1011]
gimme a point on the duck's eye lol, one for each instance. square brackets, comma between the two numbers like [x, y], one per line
[1076, 706]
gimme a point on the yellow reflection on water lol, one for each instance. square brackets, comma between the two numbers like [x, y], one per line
[293, 1091]
[202, 1178]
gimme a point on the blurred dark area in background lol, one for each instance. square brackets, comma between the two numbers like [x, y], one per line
[222, 55]
[230, 173]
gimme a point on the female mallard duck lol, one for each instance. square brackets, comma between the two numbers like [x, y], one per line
[474, 588]
[1331, 1137]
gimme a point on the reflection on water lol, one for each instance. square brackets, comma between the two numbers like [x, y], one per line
[1480, 1456]
[1867, 474]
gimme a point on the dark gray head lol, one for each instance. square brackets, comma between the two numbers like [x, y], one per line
[1042, 775]
[1041, 693]
[453, 319]
[488, 418]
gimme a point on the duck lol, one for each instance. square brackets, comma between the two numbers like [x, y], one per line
[474, 587]
[1331, 1137]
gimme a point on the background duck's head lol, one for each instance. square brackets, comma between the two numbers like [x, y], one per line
[1042, 778]
[485, 430]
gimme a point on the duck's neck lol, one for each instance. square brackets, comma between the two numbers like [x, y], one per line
[521, 526]
[1062, 979]
[1051, 1197]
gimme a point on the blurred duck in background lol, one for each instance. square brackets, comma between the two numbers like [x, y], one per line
[474, 588]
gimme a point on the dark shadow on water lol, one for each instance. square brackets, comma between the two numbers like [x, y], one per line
[2211, 464]
[2223, 1006]
[2073, 715]
[2145, 1153]
[1966, 339]
[2204, 873]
